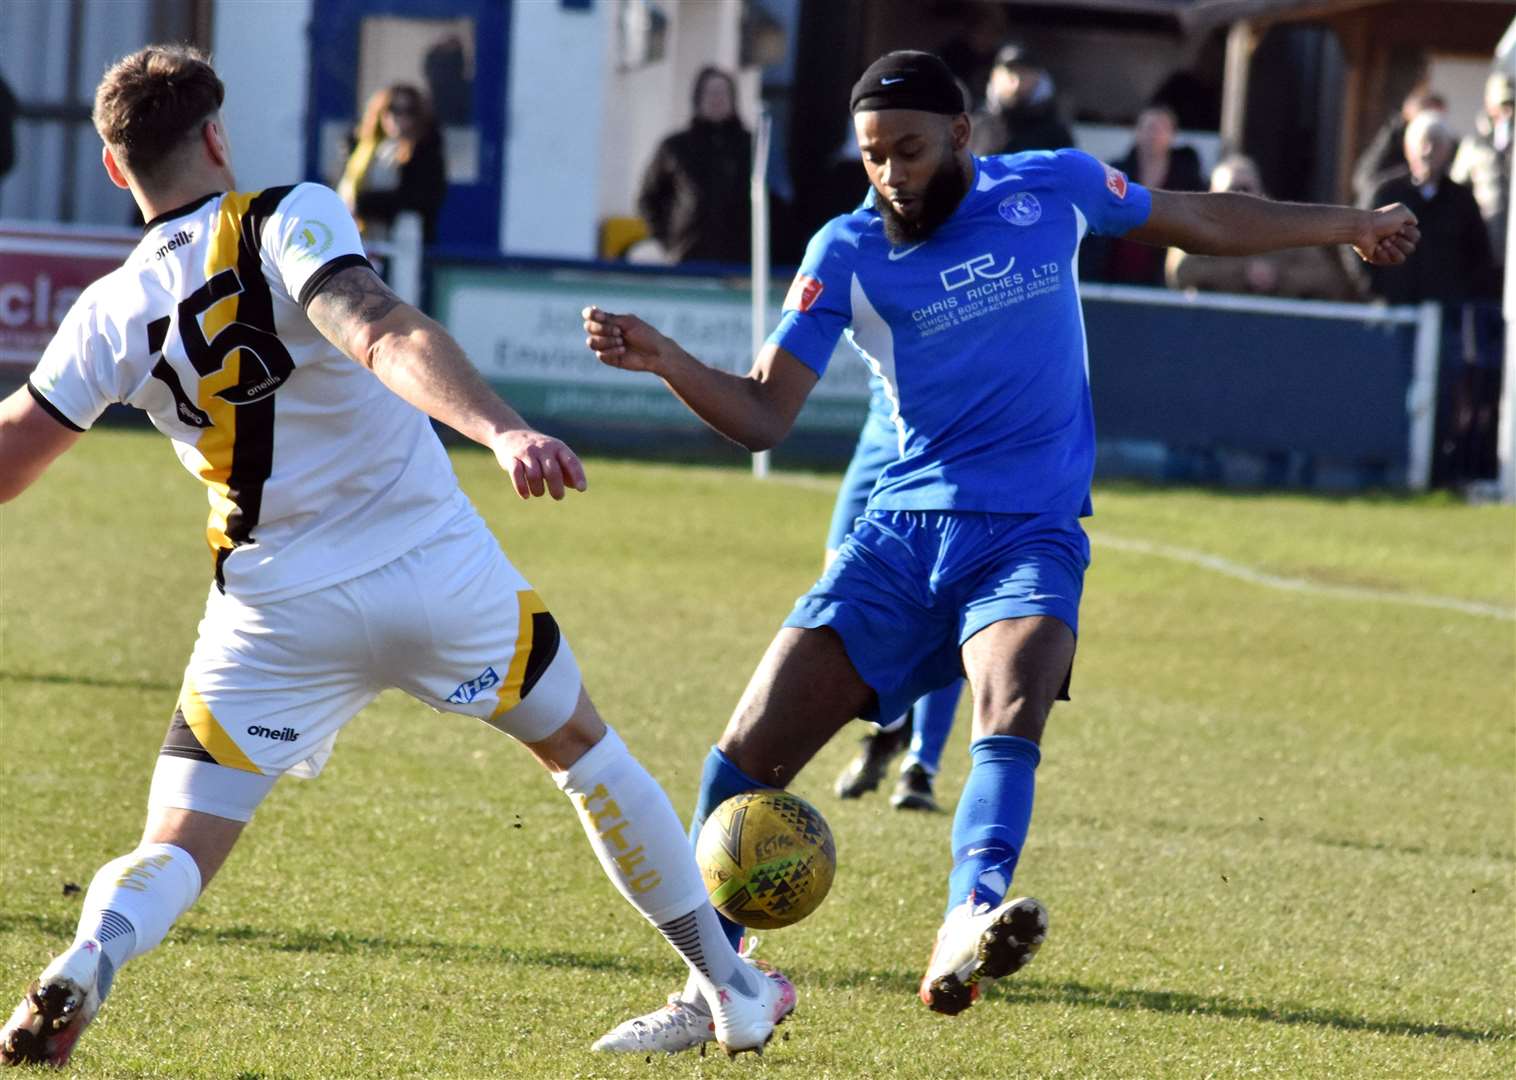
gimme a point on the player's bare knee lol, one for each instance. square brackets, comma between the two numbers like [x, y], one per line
[578, 734]
[752, 749]
[207, 838]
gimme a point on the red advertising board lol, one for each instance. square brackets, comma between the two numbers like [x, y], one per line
[43, 269]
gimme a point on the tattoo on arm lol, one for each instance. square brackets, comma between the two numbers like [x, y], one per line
[352, 300]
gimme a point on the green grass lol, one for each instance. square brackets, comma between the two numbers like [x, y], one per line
[1275, 830]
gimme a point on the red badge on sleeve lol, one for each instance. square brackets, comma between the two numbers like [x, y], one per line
[1115, 179]
[802, 294]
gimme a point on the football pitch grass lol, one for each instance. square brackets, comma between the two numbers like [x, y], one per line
[1274, 828]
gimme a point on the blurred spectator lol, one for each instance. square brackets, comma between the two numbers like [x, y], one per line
[1020, 108]
[1483, 162]
[1453, 261]
[1155, 162]
[396, 163]
[970, 53]
[1306, 273]
[7, 128]
[1195, 99]
[694, 194]
[449, 83]
[1384, 157]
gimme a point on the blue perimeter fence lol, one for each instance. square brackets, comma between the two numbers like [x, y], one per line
[1187, 386]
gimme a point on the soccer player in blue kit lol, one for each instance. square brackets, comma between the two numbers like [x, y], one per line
[956, 284]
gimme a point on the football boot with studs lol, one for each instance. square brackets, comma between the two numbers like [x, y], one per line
[57, 1008]
[977, 945]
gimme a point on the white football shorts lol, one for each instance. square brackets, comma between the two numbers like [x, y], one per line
[268, 687]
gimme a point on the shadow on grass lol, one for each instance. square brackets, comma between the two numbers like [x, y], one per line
[75, 679]
[1023, 990]
[1172, 1001]
[1031, 990]
[341, 943]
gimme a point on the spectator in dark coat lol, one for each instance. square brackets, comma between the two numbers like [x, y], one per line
[1384, 157]
[694, 194]
[396, 163]
[1453, 262]
[1154, 162]
[1020, 110]
[7, 129]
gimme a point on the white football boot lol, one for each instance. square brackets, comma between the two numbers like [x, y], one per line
[977, 945]
[55, 1011]
[744, 1023]
[679, 1025]
[748, 1023]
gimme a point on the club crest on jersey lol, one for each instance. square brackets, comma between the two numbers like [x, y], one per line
[1021, 208]
[312, 237]
[803, 293]
[468, 691]
[1115, 179]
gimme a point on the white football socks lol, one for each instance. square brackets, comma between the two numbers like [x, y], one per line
[644, 851]
[132, 902]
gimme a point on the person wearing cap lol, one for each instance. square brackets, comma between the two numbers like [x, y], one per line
[1020, 108]
[955, 282]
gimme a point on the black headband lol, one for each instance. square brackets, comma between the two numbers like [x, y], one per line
[907, 80]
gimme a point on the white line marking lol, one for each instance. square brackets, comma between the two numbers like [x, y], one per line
[1300, 585]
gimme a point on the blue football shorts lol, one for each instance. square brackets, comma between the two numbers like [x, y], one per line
[909, 587]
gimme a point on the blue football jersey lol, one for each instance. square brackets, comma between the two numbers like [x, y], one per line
[975, 333]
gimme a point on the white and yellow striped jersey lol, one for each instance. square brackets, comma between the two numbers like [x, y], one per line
[315, 471]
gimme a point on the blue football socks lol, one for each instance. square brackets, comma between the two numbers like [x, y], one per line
[719, 782]
[931, 722]
[994, 812]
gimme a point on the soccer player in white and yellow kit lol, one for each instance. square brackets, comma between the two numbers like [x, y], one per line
[345, 559]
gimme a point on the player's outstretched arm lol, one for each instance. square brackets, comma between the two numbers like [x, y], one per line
[419, 360]
[1227, 223]
[30, 440]
[755, 410]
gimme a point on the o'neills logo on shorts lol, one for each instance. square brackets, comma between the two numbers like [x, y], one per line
[289, 734]
[802, 294]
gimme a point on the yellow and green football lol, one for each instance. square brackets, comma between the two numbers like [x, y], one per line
[767, 858]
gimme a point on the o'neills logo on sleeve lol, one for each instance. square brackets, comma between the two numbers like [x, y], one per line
[178, 240]
[1115, 179]
[802, 294]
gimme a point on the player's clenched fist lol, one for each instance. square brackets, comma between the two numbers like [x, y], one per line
[538, 463]
[1389, 236]
[625, 341]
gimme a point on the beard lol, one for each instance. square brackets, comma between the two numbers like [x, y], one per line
[944, 191]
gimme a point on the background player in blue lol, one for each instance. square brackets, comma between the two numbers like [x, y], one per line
[925, 728]
[956, 283]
